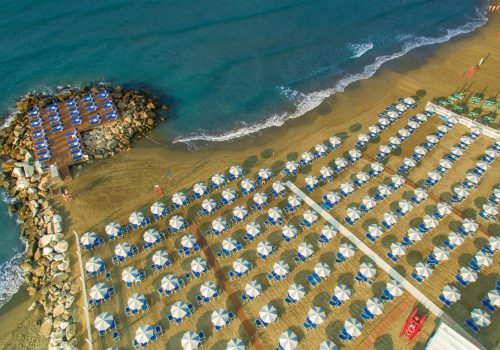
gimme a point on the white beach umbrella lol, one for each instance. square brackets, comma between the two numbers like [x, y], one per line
[188, 241]
[453, 120]
[307, 157]
[289, 231]
[296, 291]
[265, 174]
[275, 213]
[420, 150]
[241, 265]
[229, 194]
[375, 230]
[483, 258]
[432, 139]
[288, 340]
[264, 248]
[253, 289]
[151, 236]
[412, 124]
[136, 218]
[403, 133]
[190, 341]
[316, 315]
[321, 149]
[268, 314]
[220, 317]
[253, 229]
[423, 269]
[421, 117]
[200, 189]
[160, 257]
[219, 179]
[390, 218]
[247, 184]
[480, 317]
[483, 165]
[375, 306]
[374, 129]
[291, 166]
[461, 192]
[88, 238]
[430, 221]
[409, 100]
[94, 264]
[394, 288]
[494, 242]
[219, 224]
[322, 269]
[329, 231]
[209, 204]
[476, 130]
[260, 198]
[123, 249]
[310, 216]
[472, 178]
[443, 128]
[328, 345]
[240, 212]
[369, 202]
[176, 222]
[354, 153]
[98, 291]
[305, 249]
[397, 180]
[208, 289]
[342, 292]
[103, 321]
[420, 193]
[455, 238]
[362, 177]
[113, 229]
[235, 344]
[347, 250]
[367, 269]
[490, 209]
[230, 244]
[470, 225]
[414, 235]
[169, 282]
[445, 163]
[199, 265]
[443, 208]
[491, 153]
[441, 253]
[335, 141]
[451, 293]
[353, 327]
[281, 268]
[130, 274]
[353, 213]
[392, 115]
[341, 162]
[294, 201]
[136, 301]
[179, 198]
[456, 151]
[384, 190]
[332, 197]
[179, 309]
[385, 149]
[363, 138]
[405, 206]
[384, 121]
[434, 175]
[409, 162]
[144, 334]
[158, 208]
[468, 274]
[278, 187]
[311, 180]
[401, 107]
[494, 297]
[236, 171]
[398, 249]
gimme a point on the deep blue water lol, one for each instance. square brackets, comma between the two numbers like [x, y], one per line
[228, 67]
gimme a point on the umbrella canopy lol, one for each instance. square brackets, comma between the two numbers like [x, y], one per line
[199, 265]
[362, 176]
[353, 213]
[275, 213]
[375, 230]
[151, 236]
[494, 242]
[230, 244]
[326, 172]
[384, 121]
[398, 249]
[347, 250]
[342, 292]
[229, 194]
[98, 291]
[483, 258]
[305, 249]
[113, 229]
[253, 289]
[403, 133]
[94, 264]
[354, 153]
[281, 268]
[200, 189]
[268, 313]
[158, 208]
[468, 274]
[420, 150]
[247, 184]
[367, 269]
[176, 222]
[363, 138]
[169, 282]
[405, 205]
[241, 265]
[103, 321]
[310, 216]
[240, 211]
[264, 248]
[291, 166]
[235, 171]
[136, 301]
[375, 305]
[294, 200]
[443, 128]
[278, 187]
[451, 293]
[219, 224]
[394, 288]
[179, 198]
[445, 163]
[432, 139]
[219, 179]
[320, 148]
[410, 162]
[335, 141]
[88, 238]
[457, 151]
[480, 317]
[220, 317]
[409, 100]
[123, 249]
[483, 165]
[472, 178]
[395, 140]
[347, 187]
[353, 327]
[322, 269]
[235, 344]
[423, 269]
[397, 180]
[144, 334]
[264, 174]
[470, 225]
[341, 162]
[434, 175]
[130, 274]
[208, 289]
[288, 340]
[461, 191]
[260, 198]
[296, 291]
[401, 107]
[188, 241]
[289, 231]
[494, 297]
[332, 197]
[384, 190]
[490, 209]
[414, 235]
[136, 218]
[316, 315]
[329, 231]
[179, 309]
[430, 221]
[390, 218]
[311, 180]
[385, 149]
[455, 238]
[253, 229]
[327, 345]
[420, 193]
[441, 253]
[307, 157]
[374, 129]
[209, 204]
[190, 341]
[443, 208]
[413, 124]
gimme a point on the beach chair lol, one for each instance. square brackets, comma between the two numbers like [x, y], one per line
[461, 280]
[469, 323]
[416, 277]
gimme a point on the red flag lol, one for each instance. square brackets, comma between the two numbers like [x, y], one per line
[470, 73]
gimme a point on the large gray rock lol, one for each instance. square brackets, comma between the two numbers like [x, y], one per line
[58, 310]
[45, 241]
[29, 170]
[46, 328]
[61, 247]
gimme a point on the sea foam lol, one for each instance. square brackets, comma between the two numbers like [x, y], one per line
[359, 50]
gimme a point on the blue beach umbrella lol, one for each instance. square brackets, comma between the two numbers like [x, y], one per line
[104, 321]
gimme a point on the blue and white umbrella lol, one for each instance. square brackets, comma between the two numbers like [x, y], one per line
[188, 241]
[305, 249]
[354, 153]
[268, 314]
[230, 244]
[326, 172]
[455, 238]
[296, 291]
[291, 166]
[158, 208]
[88, 238]
[395, 288]
[375, 306]
[179, 198]
[494, 242]
[151, 236]
[281, 268]
[367, 269]
[468, 274]
[288, 340]
[347, 250]
[144, 334]
[103, 321]
[353, 327]
[229, 194]
[247, 185]
[494, 297]
[199, 265]
[327, 345]
[332, 197]
[398, 249]
[289, 231]
[480, 317]
[335, 141]
[160, 258]
[253, 229]
[220, 317]
[176, 222]
[443, 208]
[316, 315]
[329, 232]
[275, 213]
[430, 221]
[278, 187]
[264, 248]
[241, 265]
[307, 157]
[347, 187]
[451, 293]
[322, 269]
[342, 292]
[123, 249]
[219, 224]
[94, 264]
[310, 216]
[353, 213]
[236, 171]
[169, 282]
[363, 137]
[253, 289]
[483, 258]
[209, 205]
[136, 218]
[130, 274]
[470, 225]
[311, 180]
[265, 174]
[235, 344]
[180, 309]
[441, 253]
[113, 229]
[321, 149]
[98, 291]
[362, 177]
[200, 189]
[208, 289]
[260, 198]
[219, 179]
[136, 301]
[423, 269]
[190, 341]
[240, 212]
[375, 230]
[294, 201]
[374, 129]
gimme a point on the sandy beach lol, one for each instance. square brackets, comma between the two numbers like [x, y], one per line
[110, 190]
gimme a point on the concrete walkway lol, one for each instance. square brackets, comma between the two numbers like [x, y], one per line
[417, 294]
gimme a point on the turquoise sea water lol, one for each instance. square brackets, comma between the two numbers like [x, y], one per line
[228, 67]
